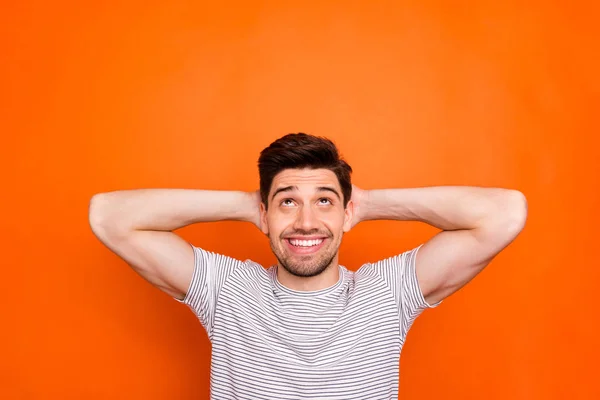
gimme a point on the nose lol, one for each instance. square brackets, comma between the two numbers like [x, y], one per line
[306, 219]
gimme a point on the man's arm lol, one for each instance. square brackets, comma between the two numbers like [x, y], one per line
[137, 225]
[477, 223]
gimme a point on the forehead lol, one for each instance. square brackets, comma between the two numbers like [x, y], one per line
[305, 178]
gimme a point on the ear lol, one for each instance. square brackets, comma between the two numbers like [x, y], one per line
[348, 215]
[264, 227]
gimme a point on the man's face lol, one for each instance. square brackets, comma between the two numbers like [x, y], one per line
[305, 220]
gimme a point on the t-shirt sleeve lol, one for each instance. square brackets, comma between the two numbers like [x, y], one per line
[399, 273]
[211, 271]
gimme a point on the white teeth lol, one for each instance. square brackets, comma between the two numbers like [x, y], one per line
[306, 243]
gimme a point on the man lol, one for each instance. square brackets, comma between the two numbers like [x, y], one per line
[307, 328]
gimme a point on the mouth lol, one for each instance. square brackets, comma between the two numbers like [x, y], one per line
[299, 246]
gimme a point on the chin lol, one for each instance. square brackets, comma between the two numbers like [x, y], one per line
[304, 272]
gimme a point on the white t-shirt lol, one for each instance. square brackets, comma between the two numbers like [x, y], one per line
[272, 342]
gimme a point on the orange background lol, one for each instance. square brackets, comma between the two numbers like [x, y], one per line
[119, 95]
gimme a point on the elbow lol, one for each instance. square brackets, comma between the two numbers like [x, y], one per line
[506, 221]
[97, 214]
[515, 211]
[101, 216]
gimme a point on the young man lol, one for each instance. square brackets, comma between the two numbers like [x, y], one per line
[307, 328]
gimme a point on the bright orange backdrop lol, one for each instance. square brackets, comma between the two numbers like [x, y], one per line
[118, 95]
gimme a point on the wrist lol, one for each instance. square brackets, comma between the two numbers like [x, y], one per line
[252, 201]
[361, 204]
[365, 206]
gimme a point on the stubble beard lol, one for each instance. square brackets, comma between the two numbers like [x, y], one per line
[305, 266]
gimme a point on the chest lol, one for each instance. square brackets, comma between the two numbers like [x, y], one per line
[336, 334]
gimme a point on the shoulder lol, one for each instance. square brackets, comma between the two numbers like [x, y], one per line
[250, 272]
[366, 271]
[369, 276]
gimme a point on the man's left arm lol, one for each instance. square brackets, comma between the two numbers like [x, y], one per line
[477, 223]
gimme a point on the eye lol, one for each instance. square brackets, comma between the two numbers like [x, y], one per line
[286, 200]
[326, 199]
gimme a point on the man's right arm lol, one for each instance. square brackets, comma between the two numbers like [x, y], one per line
[137, 225]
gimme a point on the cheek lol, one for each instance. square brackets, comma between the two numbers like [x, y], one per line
[277, 225]
[335, 223]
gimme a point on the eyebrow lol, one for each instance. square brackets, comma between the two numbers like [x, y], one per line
[292, 188]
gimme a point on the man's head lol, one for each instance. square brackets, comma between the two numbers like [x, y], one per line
[305, 189]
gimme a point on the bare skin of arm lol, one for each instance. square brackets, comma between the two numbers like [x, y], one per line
[477, 223]
[138, 226]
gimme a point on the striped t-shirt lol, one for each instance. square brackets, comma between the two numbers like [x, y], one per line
[272, 342]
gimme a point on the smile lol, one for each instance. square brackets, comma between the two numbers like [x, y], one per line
[298, 246]
[305, 243]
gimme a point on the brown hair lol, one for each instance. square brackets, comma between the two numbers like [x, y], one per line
[299, 150]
